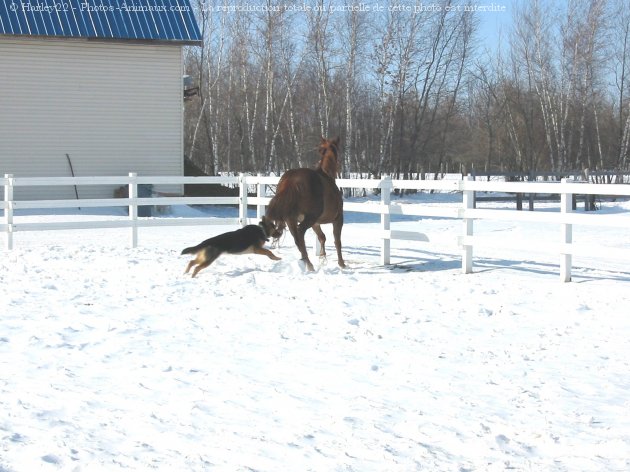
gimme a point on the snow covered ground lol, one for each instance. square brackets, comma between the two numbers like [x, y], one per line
[112, 359]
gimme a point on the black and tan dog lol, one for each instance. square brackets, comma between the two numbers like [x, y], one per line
[247, 240]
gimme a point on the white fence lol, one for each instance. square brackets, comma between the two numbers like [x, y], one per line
[466, 212]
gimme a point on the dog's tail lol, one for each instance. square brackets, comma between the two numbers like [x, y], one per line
[192, 250]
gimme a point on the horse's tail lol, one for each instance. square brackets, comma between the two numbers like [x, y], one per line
[282, 205]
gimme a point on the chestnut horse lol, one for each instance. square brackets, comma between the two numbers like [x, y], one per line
[308, 198]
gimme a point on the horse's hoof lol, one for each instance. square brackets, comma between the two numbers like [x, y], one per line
[307, 265]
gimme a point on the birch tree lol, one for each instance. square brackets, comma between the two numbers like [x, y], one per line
[354, 30]
[321, 40]
[620, 45]
[209, 72]
[383, 60]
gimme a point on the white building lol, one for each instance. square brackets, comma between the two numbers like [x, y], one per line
[98, 81]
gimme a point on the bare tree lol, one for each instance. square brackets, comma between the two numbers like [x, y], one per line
[560, 53]
[292, 61]
[354, 33]
[459, 51]
[407, 50]
[322, 43]
[383, 60]
[487, 106]
[620, 43]
[405, 88]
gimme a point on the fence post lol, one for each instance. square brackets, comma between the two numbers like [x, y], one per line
[386, 191]
[261, 191]
[133, 207]
[8, 210]
[467, 248]
[242, 203]
[566, 207]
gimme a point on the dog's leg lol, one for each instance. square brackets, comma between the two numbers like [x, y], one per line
[189, 266]
[322, 239]
[210, 255]
[200, 267]
[200, 257]
[266, 252]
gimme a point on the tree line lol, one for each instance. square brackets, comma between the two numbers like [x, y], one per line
[410, 90]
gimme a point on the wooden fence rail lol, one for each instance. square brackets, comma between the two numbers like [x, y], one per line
[466, 212]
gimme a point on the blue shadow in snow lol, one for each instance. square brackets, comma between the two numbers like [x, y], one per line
[435, 262]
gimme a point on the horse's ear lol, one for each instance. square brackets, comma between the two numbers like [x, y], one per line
[336, 141]
[322, 140]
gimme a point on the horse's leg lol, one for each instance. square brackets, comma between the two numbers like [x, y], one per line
[322, 239]
[302, 228]
[337, 225]
[298, 236]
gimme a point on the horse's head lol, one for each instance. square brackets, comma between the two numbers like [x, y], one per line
[329, 152]
[276, 232]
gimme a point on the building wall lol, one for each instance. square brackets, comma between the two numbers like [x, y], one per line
[114, 107]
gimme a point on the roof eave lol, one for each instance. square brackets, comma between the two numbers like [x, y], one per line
[171, 42]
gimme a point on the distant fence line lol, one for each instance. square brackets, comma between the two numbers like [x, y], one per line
[610, 176]
[466, 212]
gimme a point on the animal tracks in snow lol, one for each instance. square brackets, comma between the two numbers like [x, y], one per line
[111, 358]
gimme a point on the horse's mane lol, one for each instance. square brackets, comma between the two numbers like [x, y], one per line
[328, 163]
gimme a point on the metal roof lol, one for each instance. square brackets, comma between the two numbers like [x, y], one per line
[139, 20]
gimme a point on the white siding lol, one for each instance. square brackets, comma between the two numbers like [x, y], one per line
[113, 107]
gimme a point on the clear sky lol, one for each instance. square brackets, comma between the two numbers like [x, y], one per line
[494, 21]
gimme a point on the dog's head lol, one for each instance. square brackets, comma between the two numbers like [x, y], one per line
[270, 229]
